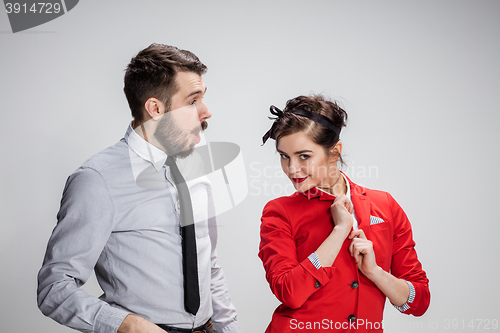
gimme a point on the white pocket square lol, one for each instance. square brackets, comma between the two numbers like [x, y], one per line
[375, 220]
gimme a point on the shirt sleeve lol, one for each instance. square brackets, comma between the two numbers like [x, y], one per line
[224, 315]
[405, 264]
[85, 222]
[314, 259]
[291, 281]
[411, 298]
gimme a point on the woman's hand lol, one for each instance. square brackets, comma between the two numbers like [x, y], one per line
[362, 250]
[341, 211]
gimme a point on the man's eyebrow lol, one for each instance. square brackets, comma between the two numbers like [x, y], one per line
[196, 92]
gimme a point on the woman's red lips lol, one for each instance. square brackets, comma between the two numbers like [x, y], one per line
[298, 180]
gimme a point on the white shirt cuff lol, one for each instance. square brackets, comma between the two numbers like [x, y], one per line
[411, 298]
[314, 259]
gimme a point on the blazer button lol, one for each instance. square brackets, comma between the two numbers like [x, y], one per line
[317, 284]
[351, 318]
[354, 284]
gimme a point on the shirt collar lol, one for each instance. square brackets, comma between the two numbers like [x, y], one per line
[144, 149]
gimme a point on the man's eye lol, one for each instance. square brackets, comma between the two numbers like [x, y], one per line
[192, 102]
[304, 157]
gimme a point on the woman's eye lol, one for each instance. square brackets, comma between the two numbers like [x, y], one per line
[304, 157]
[283, 156]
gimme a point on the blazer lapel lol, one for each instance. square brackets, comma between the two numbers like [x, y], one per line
[361, 206]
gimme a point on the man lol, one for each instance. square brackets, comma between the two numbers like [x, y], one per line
[125, 214]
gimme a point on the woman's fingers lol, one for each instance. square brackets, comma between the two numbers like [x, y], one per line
[350, 207]
[359, 245]
[346, 202]
[340, 213]
[352, 250]
[343, 200]
[359, 233]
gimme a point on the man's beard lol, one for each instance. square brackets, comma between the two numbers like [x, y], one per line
[176, 141]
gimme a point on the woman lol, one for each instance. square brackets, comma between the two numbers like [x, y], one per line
[333, 251]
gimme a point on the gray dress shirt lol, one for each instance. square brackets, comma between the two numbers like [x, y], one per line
[119, 215]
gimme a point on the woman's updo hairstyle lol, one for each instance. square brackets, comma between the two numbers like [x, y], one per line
[292, 123]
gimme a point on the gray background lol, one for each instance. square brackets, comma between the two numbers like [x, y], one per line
[419, 79]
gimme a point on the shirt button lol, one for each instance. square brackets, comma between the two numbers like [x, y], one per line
[178, 206]
[317, 285]
[354, 284]
[351, 318]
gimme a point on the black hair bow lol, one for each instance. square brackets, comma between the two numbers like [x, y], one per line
[320, 119]
[271, 133]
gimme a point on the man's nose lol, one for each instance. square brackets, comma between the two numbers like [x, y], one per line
[203, 111]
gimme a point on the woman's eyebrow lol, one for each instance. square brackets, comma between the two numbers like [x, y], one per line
[297, 152]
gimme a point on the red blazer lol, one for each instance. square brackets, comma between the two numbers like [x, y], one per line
[339, 297]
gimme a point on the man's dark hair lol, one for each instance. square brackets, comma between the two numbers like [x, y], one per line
[152, 72]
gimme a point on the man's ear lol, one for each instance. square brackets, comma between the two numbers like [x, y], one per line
[335, 152]
[154, 108]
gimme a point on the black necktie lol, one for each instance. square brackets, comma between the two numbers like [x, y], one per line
[189, 256]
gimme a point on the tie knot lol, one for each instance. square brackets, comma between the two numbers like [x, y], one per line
[170, 161]
[176, 173]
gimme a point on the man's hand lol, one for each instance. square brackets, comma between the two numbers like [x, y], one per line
[136, 324]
